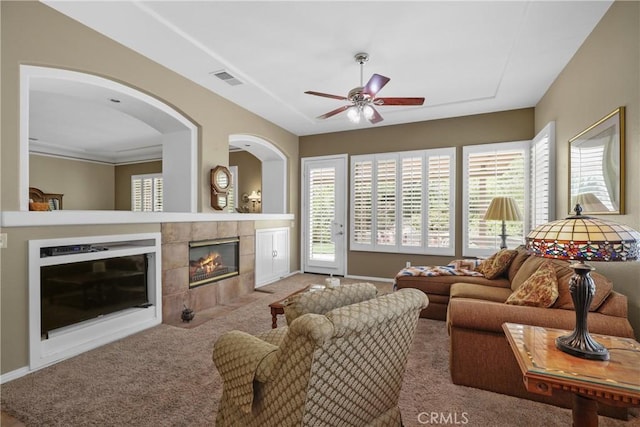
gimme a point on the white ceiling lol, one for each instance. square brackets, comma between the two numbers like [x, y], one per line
[463, 57]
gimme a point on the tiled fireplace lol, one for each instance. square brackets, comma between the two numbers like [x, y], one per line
[177, 289]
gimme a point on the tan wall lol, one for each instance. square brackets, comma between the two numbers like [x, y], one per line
[85, 185]
[249, 175]
[123, 175]
[602, 76]
[32, 33]
[504, 126]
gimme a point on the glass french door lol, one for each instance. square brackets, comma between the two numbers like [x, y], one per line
[324, 215]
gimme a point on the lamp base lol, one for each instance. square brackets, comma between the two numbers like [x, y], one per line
[579, 343]
[582, 346]
[503, 236]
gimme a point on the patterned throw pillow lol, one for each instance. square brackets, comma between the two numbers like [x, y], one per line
[497, 264]
[539, 290]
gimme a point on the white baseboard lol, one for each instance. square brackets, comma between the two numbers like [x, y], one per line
[14, 375]
[375, 279]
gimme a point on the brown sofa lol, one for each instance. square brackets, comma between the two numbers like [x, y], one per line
[480, 355]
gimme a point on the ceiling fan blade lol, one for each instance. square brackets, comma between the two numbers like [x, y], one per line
[334, 112]
[375, 83]
[399, 101]
[376, 117]
[327, 95]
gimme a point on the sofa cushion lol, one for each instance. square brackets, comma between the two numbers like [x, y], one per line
[522, 254]
[441, 285]
[497, 264]
[603, 286]
[532, 263]
[539, 290]
[476, 291]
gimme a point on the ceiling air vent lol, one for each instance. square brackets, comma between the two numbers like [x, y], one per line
[227, 78]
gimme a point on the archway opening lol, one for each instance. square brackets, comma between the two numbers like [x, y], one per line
[89, 119]
[274, 170]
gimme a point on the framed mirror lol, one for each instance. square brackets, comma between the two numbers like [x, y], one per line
[596, 166]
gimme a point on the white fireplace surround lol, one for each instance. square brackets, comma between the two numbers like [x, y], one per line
[90, 334]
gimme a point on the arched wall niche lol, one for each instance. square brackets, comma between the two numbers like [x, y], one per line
[175, 137]
[274, 170]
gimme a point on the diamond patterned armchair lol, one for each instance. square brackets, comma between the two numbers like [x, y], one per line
[344, 367]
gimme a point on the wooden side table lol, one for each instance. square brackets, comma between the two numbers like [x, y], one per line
[277, 307]
[546, 369]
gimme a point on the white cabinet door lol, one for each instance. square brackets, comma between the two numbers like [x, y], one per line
[281, 252]
[272, 255]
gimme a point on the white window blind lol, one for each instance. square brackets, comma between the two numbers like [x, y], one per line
[402, 202]
[321, 213]
[492, 170]
[542, 194]
[146, 193]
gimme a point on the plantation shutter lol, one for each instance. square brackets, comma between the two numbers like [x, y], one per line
[157, 194]
[231, 191]
[439, 207]
[411, 196]
[541, 171]
[321, 215]
[493, 170]
[362, 202]
[136, 194]
[386, 202]
[146, 193]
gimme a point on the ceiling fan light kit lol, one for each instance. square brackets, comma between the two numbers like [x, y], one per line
[363, 98]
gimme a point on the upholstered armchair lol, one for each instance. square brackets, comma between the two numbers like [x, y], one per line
[322, 302]
[343, 368]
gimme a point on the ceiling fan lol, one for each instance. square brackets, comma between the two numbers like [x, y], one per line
[363, 98]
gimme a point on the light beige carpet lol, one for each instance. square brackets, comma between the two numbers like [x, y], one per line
[165, 377]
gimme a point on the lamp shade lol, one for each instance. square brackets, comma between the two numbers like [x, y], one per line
[503, 209]
[584, 238]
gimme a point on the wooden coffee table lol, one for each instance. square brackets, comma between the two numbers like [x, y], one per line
[277, 307]
[546, 369]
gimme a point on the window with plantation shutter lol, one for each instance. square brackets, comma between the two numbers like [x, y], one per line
[542, 194]
[492, 170]
[321, 213]
[402, 202]
[146, 193]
